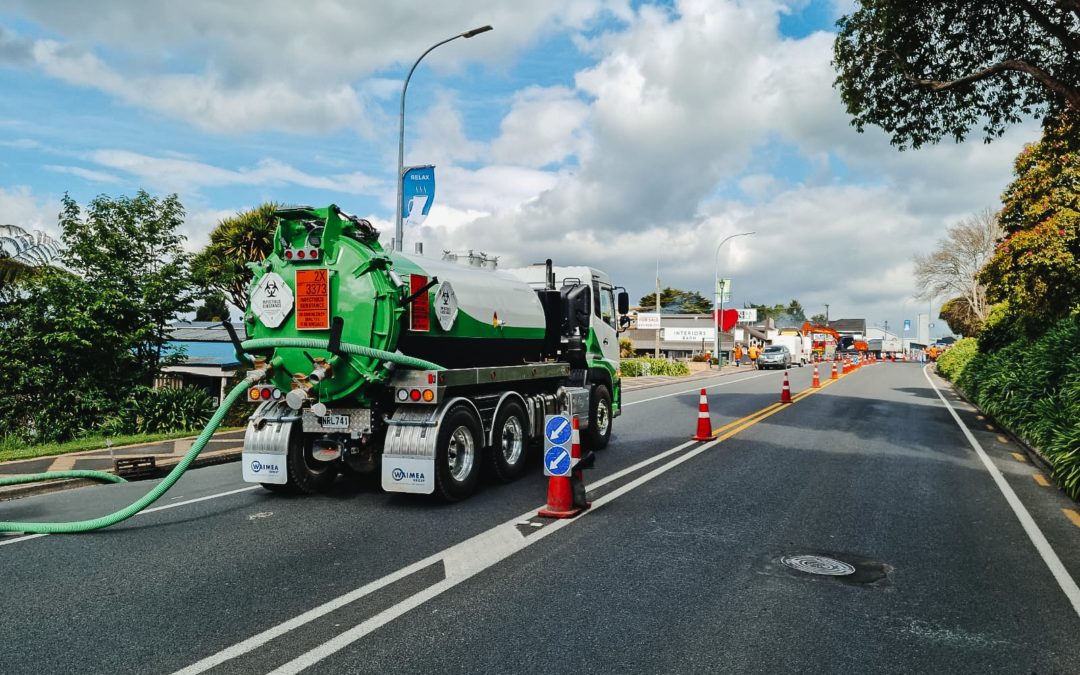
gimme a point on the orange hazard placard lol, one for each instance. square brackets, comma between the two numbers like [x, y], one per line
[420, 312]
[312, 299]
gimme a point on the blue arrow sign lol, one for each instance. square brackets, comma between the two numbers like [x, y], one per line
[557, 430]
[557, 461]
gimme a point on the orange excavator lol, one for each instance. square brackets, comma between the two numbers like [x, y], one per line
[825, 341]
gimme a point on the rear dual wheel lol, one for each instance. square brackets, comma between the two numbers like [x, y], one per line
[304, 473]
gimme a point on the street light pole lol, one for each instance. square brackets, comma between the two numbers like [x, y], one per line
[398, 232]
[718, 297]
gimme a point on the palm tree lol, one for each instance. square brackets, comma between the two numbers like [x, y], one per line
[22, 252]
[222, 266]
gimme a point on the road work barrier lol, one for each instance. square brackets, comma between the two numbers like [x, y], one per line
[168, 481]
[785, 391]
[704, 421]
[566, 494]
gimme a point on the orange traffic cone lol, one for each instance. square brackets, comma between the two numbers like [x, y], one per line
[566, 494]
[785, 391]
[835, 375]
[817, 378]
[704, 422]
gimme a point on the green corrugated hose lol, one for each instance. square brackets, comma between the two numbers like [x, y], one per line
[174, 475]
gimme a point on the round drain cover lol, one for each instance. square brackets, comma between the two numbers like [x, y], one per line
[817, 564]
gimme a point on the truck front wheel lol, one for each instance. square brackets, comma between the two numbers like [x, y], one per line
[599, 431]
[509, 444]
[457, 449]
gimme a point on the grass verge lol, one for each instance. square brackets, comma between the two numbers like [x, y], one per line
[11, 449]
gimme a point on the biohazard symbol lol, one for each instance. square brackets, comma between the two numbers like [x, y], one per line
[271, 289]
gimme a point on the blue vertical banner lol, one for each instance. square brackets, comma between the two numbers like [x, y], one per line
[907, 325]
[417, 194]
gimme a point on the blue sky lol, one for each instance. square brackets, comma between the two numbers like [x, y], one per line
[603, 132]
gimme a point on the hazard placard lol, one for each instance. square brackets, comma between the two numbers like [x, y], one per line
[312, 299]
[420, 312]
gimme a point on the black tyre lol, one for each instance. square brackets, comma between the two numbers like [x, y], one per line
[509, 449]
[457, 454]
[306, 474]
[599, 432]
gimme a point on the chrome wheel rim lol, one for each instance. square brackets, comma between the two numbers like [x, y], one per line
[460, 453]
[603, 417]
[513, 440]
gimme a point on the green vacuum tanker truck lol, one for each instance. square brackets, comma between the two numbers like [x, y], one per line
[461, 362]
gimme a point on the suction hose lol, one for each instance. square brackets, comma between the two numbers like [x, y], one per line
[200, 442]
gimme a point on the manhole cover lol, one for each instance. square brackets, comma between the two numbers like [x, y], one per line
[818, 564]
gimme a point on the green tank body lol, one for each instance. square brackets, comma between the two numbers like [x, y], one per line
[327, 266]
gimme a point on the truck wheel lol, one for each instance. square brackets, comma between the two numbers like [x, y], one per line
[457, 450]
[306, 473]
[599, 431]
[509, 443]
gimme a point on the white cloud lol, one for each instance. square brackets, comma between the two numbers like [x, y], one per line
[173, 174]
[19, 206]
[544, 126]
[252, 65]
[88, 174]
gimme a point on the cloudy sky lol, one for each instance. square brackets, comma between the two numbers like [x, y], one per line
[616, 133]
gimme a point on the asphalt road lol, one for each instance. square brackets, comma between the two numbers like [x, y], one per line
[677, 568]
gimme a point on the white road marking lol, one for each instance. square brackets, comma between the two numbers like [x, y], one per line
[1049, 556]
[461, 561]
[156, 508]
[694, 390]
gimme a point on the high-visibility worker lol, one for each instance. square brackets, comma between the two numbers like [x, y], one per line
[754, 352]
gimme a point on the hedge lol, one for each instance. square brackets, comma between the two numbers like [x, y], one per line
[637, 367]
[1032, 387]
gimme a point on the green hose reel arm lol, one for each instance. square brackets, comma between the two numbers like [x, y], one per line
[234, 395]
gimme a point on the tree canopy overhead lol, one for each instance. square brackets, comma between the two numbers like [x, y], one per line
[926, 70]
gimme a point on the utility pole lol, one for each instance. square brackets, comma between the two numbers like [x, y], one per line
[826, 314]
[657, 354]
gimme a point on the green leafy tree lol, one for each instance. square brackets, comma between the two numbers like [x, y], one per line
[677, 301]
[214, 308]
[790, 314]
[926, 70]
[818, 319]
[957, 313]
[75, 341]
[1035, 266]
[222, 266]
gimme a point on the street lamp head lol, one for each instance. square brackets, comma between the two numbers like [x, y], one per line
[476, 31]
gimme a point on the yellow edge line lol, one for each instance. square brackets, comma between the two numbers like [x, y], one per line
[1072, 515]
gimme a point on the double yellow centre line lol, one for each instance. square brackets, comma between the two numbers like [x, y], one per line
[731, 428]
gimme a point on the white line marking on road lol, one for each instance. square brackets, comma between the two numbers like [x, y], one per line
[156, 508]
[23, 538]
[461, 561]
[1067, 583]
[694, 390]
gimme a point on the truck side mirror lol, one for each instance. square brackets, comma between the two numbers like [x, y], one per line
[623, 302]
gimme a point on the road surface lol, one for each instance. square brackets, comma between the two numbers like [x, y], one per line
[678, 567]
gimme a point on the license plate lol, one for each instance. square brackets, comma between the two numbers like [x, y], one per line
[334, 422]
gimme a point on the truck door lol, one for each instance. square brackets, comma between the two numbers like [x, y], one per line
[603, 320]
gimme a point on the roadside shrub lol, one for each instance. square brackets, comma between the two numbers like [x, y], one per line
[652, 366]
[158, 410]
[1032, 387]
[952, 363]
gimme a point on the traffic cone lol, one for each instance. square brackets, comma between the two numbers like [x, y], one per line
[566, 494]
[785, 391]
[704, 422]
[835, 375]
[817, 379]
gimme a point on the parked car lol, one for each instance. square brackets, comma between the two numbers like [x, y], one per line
[774, 356]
